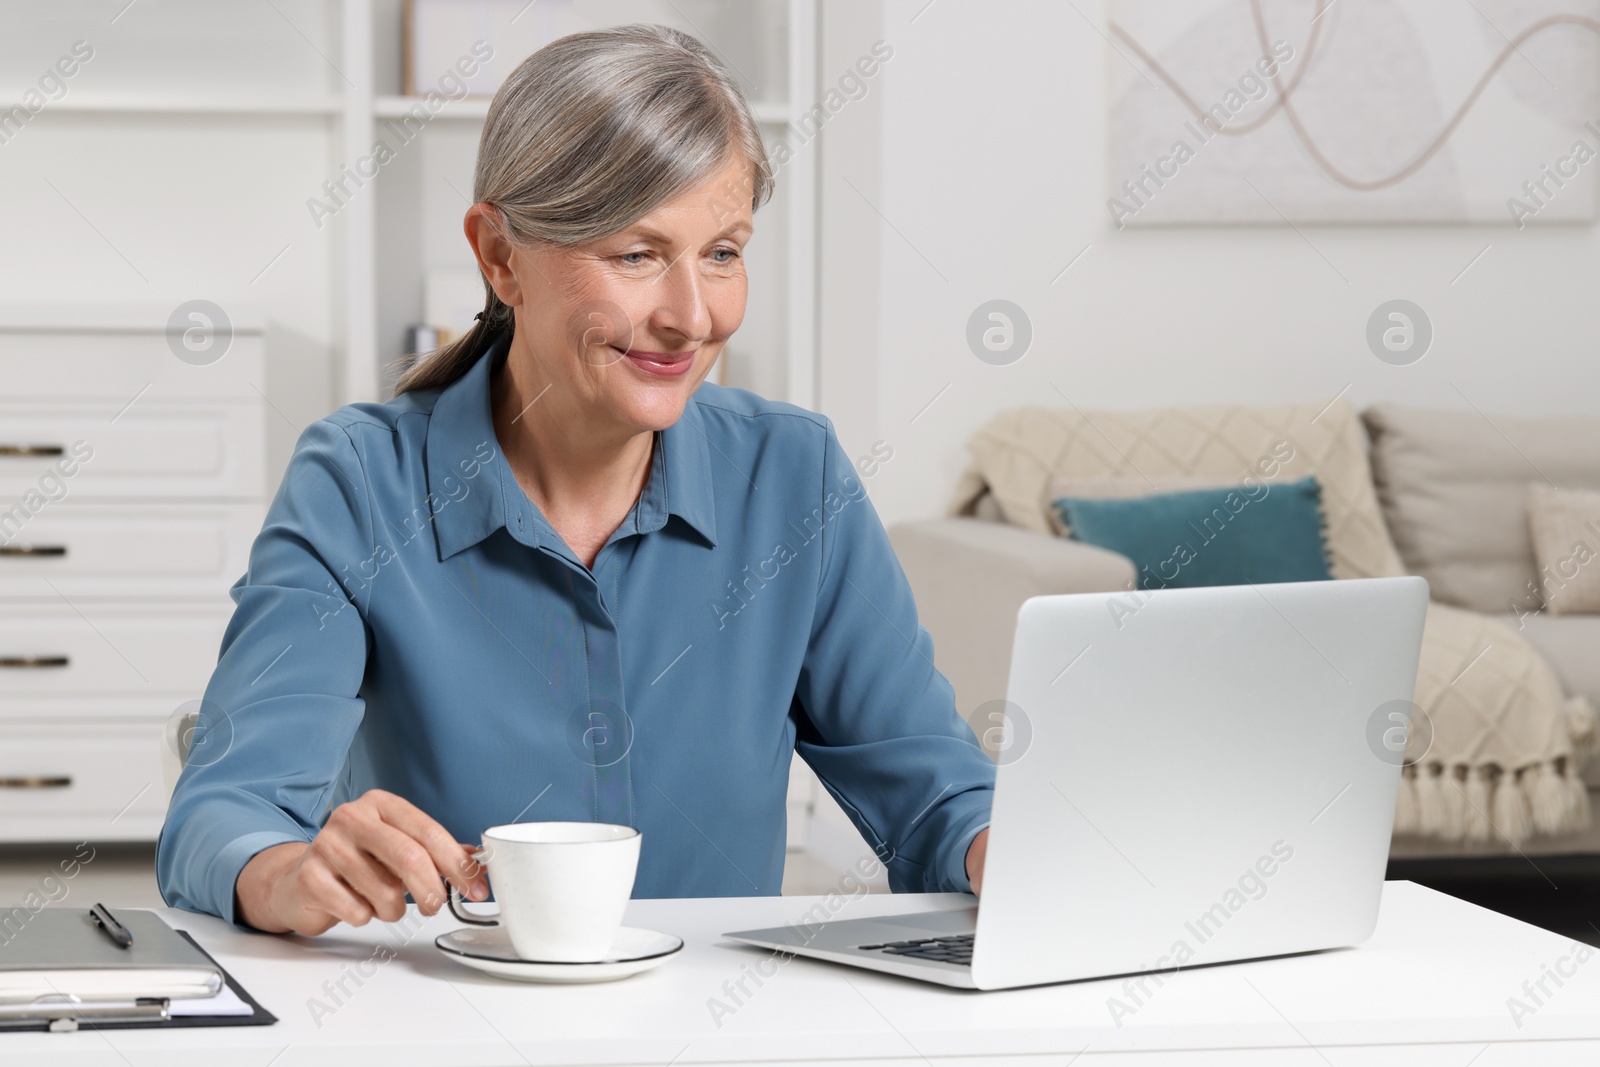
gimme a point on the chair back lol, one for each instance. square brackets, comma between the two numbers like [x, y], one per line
[176, 738]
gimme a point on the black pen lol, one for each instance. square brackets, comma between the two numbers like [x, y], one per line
[108, 922]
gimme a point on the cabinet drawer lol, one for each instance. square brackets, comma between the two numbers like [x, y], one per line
[126, 707]
[192, 450]
[96, 776]
[50, 650]
[160, 550]
[117, 365]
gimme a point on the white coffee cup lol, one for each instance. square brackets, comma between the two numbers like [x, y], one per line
[562, 886]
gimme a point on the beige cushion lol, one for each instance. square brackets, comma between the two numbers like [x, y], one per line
[1021, 454]
[1452, 485]
[1564, 525]
[970, 577]
[986, 509]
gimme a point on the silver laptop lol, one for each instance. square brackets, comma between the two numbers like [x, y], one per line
[1194, 776]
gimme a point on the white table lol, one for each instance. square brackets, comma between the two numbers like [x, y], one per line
[1431, 987]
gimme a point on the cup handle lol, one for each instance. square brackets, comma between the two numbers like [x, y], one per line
[458, 912]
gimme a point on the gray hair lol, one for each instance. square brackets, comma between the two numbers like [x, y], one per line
[588, 135]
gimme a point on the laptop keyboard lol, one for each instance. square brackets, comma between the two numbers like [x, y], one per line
[956, 949]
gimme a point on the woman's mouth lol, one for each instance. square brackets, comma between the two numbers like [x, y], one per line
[660, 364]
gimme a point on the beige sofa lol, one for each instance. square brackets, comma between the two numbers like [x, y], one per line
[1436, 493]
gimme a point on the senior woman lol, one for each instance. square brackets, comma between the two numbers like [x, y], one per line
[560, 575]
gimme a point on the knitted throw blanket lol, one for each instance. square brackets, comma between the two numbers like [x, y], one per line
[1499, 748]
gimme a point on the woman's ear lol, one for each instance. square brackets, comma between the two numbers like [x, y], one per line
[496, 254]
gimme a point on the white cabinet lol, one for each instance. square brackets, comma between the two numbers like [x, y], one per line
[81, 782]
[200, 449]
[99, 550]
[132, 483]
[79, 647]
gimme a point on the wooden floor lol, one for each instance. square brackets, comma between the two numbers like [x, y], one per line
[1559, 893]
[110, 874]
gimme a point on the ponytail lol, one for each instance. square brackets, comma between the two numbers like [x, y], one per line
[445, 364]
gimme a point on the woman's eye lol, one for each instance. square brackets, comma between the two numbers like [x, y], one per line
[720, 256]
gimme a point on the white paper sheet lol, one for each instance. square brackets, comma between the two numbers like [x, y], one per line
[226, 1002]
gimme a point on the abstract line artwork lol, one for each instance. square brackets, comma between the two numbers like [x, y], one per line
[1282, 112]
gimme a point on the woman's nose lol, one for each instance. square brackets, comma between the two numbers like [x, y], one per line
[681, 303]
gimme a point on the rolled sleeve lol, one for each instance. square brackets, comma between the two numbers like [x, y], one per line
[282, 705]
[880, 725]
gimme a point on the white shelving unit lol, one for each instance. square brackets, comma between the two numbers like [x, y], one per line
[347, 82]
[226, 119]
[475, 109]
[173, 104]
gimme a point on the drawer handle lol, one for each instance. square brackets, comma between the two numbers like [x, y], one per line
[30, 662]
[64, 782]
[32, 450]
[32, 550]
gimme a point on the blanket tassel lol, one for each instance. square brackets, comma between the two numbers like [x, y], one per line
[1511, 817]
[1405, 802]
[1478, 825]
[1548, 799]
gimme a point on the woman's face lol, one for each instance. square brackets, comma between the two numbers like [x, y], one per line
[628, 326]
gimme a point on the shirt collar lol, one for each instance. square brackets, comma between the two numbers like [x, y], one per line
[462, 450]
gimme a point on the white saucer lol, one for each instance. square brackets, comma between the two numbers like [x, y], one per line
[488, 949]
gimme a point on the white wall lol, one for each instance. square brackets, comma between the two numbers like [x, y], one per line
[982, 142]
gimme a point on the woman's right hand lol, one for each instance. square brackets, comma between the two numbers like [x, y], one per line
[370, 853]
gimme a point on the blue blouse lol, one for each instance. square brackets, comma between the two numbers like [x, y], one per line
[411, 622]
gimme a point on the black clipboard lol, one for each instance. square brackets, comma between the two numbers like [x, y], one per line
[258, 1016]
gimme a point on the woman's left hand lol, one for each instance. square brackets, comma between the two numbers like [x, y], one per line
[975, 855]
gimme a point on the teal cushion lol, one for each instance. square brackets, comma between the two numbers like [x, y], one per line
[1232, 535]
